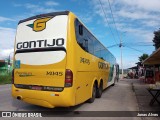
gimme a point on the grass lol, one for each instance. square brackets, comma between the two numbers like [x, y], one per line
[5, 78]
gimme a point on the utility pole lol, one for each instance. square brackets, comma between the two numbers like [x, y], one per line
[120, 45]
[9, 61]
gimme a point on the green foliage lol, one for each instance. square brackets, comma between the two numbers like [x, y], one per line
[5, 78]
[156, 39]
[143, 57]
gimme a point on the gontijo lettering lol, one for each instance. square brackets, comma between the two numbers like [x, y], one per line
[102, 65]
[41, 43]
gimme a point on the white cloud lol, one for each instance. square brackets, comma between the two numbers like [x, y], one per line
[151, 23]
[7, 36]
[4, 54]
[130, 63]
[39, 8]
[44, 10]
[134, 16]
[142, 34]
[51, 3]
[2, 19]
[31, 6]
[138, 17]
[86, 18]
[148, 5]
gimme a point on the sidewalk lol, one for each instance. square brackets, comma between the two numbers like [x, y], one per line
[143, 98]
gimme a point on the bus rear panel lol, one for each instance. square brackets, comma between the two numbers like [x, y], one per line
[40, 73]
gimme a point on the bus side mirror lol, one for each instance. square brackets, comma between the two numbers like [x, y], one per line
[81, 30]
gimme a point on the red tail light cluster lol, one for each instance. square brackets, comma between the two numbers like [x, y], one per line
[13, 76]
[68, 78]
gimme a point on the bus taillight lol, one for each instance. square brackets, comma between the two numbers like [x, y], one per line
[68, 78]
[13, 76]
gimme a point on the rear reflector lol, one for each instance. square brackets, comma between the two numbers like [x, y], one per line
[68, 78]
[56, 94]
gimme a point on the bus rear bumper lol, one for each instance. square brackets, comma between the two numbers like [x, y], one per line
[45, 98]
[38, 102]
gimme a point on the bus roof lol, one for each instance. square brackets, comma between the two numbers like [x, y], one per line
[45, 15]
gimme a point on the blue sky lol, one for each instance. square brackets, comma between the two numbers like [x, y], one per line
[135, 21]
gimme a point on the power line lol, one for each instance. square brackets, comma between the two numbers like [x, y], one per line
[138, 42]
[135, 49]
[115, 45]
[142, 43]
[113, 19]
[137, 45]
[129, 44]
[107, 20]
[120, 40]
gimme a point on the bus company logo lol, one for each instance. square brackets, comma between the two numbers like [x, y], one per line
[24, 74]
[102, 65]
[39, 24]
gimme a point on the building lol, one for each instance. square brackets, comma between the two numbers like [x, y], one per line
[154, 60]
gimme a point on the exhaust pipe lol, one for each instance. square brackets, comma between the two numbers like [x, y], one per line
[19, 98]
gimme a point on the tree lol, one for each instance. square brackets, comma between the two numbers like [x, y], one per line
[156, 39]
[143, 57]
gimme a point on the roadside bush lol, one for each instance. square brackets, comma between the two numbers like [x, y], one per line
[6, 78]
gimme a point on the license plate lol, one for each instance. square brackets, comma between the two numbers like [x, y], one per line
[36, 87]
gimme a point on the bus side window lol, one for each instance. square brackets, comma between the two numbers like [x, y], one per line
[81, 35]
[81, 30]
[85, 44]
[84, 37]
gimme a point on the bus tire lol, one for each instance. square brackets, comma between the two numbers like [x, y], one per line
[99, 90]
[91, 100]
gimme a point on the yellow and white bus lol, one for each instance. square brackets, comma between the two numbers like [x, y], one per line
[59, 62]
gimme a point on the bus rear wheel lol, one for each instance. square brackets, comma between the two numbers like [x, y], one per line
[99, 91]
[91, 100]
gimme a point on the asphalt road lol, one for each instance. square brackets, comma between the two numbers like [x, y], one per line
[115, 98]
